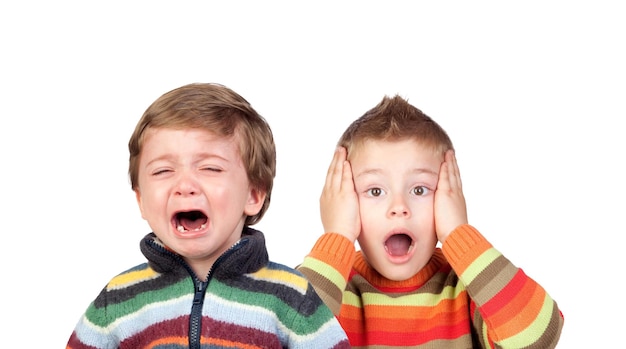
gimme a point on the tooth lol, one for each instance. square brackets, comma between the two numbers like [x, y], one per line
[200, 227]
[182, 229]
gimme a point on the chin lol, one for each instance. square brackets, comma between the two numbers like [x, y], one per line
[398, 275]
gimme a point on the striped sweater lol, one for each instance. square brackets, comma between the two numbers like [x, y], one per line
[247, 302]
[467, 296]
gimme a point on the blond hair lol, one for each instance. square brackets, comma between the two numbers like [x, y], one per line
[395, 119]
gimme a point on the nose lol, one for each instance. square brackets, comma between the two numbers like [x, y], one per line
[399, 207]
[186, 185]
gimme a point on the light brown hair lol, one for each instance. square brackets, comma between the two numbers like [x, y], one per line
[394, 119]
[221, 111]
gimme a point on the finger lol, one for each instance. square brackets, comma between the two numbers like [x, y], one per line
[332, 169]
[443, 180]
[453, 171]
[347, 183]
[443, 183]
[334, 176]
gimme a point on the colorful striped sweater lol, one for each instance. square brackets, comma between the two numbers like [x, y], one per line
[468, 296]
[247, 302]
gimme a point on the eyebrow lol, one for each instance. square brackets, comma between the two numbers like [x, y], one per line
[202, 156]
[375, 171]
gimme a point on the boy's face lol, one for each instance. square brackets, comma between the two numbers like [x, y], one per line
[395, 183]
[194, 192]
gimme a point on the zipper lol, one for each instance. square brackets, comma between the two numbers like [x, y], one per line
[195, 318]
[200, 287]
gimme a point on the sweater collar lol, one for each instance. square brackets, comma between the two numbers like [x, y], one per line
[248, 255]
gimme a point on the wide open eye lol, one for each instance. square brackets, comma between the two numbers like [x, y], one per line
[420, 190]
[375, 192]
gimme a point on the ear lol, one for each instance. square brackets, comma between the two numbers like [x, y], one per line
[256, 198]
[138, 198]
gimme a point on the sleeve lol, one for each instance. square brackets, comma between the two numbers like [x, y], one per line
[314, 326]
[93, 330]
[87, 335]
[328, 267]
[511, 309]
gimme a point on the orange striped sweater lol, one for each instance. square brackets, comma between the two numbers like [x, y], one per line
[468, 296]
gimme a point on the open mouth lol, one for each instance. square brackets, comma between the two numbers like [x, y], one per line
[190, 221]
[398, 244]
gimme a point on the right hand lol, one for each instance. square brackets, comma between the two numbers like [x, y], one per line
[339, 203]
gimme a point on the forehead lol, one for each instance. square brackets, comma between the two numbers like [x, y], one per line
[175, 140]
[197, 134]
[370, 147]
[390, 156]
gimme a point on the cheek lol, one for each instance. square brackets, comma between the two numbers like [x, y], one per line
[152, 199]
[373, 218]
[221, 196]
[424, 211]
[365, 211]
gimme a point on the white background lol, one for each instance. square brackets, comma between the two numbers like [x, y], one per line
[532, 95]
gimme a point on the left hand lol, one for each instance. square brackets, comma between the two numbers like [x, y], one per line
[450, 209]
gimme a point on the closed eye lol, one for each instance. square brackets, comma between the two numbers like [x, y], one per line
[161, 171]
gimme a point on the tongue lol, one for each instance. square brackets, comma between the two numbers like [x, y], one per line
[398, 245]
[192, 224]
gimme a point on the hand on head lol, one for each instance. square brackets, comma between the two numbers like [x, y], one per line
[450, 209]
[339, 204]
